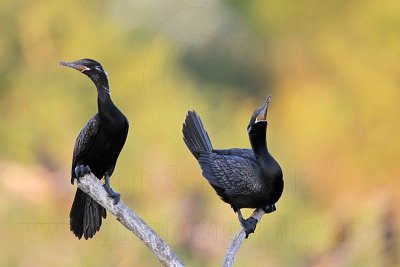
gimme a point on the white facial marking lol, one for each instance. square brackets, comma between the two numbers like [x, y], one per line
[85, 68]
[258, 120]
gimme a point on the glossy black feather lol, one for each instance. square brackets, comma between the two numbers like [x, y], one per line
[97, 146]
[244, 178]
[239, 152]
[195, 136]
[84, 142]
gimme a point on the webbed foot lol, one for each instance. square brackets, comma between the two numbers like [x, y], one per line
[111, 193]
[249, 226]
[80, 171]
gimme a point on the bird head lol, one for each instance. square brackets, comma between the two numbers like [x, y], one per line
[89, 67]
[259, 118]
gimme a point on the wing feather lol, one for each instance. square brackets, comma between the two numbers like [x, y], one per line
[239, 152]
[83, 142]
[235, 175]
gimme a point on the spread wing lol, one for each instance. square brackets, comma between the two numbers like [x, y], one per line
[83, 142]
[235, 175]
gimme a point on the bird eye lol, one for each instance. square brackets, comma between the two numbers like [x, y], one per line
[98, 68]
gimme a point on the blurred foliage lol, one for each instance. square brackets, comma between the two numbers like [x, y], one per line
[332, 68]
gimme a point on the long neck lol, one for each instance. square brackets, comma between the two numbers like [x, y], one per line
[258, 137]
[104, 102]
[258, 140]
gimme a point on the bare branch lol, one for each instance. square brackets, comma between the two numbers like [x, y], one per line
[91, 185]
[238, 239]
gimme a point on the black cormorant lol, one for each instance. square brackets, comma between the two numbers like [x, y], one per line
[96, 150]
[244, 178]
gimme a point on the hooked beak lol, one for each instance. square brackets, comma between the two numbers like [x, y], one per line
[74, 65]
[262, 115]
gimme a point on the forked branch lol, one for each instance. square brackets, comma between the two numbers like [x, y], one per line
[91, 185]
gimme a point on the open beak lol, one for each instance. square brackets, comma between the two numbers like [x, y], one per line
[262, 115]
[74, 65]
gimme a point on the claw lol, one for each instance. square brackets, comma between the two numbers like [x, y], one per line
[116, 197]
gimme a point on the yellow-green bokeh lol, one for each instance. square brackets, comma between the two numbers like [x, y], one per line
[332, 68]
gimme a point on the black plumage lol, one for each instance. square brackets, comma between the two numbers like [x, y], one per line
[244, 178]
[96, 150]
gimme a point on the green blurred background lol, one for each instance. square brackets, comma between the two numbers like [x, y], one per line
[332, 68]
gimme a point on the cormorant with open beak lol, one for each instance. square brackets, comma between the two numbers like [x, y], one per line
[244, 178]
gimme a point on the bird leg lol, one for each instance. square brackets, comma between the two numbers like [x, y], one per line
[80, 171]
[111, 193]
[248, 225]
[270, 208]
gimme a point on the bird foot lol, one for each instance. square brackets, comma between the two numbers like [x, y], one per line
[80, 171]
[249, 225]
[270, 208]
[112, 194]
[117, 197]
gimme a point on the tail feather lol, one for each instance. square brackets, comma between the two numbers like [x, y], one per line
[86, 215]
[195, 136]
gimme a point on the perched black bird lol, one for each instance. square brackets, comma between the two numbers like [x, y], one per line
[96, 150]
[244, 178]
